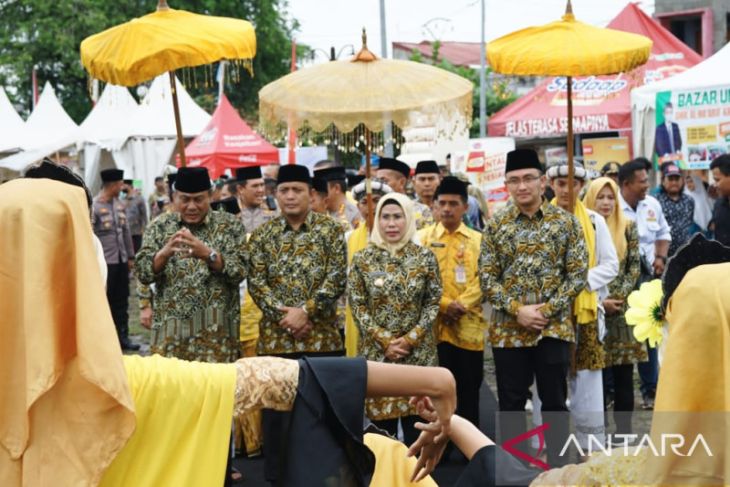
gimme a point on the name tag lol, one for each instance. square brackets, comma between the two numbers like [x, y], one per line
[460, 274]
[438, 245]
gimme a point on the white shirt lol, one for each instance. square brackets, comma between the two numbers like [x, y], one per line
[650, 223]
[606, 268]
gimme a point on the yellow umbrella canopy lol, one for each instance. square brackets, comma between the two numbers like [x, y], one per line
[166, 40]
[365, 90]
[568, 48]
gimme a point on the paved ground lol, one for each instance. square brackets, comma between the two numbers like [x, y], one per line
[447, 472]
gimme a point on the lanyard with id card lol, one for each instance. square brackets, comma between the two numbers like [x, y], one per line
[460, 270]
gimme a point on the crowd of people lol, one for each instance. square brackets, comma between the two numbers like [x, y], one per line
[240, 269]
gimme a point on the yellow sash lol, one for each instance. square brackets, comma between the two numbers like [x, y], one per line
[585, 308]
[358, 240]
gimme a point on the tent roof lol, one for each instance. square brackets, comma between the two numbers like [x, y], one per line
[13, 127]
[110, 122]
[49, 124]
[600, 103]
[155, 118]
[49, 129]
[711, 72]
[228, 142]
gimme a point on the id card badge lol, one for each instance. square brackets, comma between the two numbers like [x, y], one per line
[460, 274]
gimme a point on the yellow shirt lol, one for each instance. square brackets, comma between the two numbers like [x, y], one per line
[458, 257]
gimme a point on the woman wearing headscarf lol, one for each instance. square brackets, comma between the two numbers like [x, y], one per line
[394, 290]
[622, 350]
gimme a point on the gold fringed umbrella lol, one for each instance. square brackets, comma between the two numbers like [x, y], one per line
[143, 48]
[368, 92]
[568, 48]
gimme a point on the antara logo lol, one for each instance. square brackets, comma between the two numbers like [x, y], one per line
[666, 442]
[673, 442]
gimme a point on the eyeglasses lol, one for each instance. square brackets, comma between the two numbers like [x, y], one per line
[528, 180]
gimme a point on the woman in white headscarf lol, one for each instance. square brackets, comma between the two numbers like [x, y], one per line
[695, 187]
[394, 291]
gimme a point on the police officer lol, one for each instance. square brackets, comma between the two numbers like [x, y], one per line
[110, 224]
[251, 192]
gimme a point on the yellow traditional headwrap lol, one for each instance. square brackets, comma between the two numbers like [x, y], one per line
[617, 222]
[585, 308]
[66, 408]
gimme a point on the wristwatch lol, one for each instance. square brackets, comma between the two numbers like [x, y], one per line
[212, 257]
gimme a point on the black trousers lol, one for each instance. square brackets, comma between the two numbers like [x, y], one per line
[467, 366]
[516, 368]
[275, 426]
[623, 402]
[410, 433]
[117, 293]
[136, 243]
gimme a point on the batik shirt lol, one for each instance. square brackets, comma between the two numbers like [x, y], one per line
[305, 267]
[423, 215]
[680, 217]
[530, 260]
[196, 310]
[392, 297]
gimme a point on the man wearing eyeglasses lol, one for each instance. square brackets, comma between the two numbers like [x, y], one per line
[533, 263]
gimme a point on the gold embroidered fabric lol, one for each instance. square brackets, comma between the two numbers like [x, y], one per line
[265, 382]
[621, 468]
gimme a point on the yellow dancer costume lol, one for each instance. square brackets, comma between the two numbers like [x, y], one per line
[198, 426]
[54, 360]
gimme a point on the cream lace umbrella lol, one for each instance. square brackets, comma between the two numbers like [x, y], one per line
[363, 96]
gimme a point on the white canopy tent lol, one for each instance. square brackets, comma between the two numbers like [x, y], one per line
[142, 144]
[48, 130]
[13, 127]
[713, 72]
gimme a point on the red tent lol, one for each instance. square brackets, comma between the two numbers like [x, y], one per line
[227, 142]
[600, 103]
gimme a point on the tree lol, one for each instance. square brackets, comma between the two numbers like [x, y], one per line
[498, 95]
[47, 34]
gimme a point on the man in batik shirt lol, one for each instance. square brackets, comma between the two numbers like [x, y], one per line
[196, 259]
[297, 272]
[533, 263]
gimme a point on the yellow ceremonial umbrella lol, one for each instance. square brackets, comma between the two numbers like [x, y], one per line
[368, 92]
[568, 48]
[166, 40]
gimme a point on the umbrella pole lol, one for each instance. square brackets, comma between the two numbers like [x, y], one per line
[571, 169]
[178, 124]
[368, 182]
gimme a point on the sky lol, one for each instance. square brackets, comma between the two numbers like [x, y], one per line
[325, 23]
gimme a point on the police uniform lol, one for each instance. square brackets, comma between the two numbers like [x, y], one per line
[109, 220]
